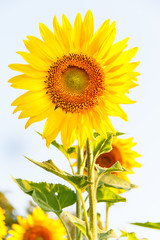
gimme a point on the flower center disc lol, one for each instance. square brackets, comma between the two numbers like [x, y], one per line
[38, 233]
[106, 160]
[75, 82]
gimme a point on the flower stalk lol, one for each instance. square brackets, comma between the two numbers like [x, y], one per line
[78, 204]
[64, 224]
[107, 211]
[92, 193]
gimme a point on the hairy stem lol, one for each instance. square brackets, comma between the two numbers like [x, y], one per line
[78, 205]
[71, 166]
[92, 193]
[107, 211]
[85, 216]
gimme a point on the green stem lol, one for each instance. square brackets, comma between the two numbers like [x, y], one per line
[107, 211]
[65, 226]
[78, 205]
[71, 166]
[85, 216]
[92, 192]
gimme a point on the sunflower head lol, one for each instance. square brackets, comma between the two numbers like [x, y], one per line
[3, 228]
[121, 152]
[75, 79]
[37, 226]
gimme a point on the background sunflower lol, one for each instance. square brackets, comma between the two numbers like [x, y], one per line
[37, 226]
[3, 228]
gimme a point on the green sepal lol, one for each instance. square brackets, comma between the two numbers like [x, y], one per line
[96, 134]
[102, 145]
[106, 235]
[117, 167]
[80, 224]
[106, 195]
[50, 197]
[61, 148]
[111, 180]
[148, 225]
[78, 181]
[119, 134]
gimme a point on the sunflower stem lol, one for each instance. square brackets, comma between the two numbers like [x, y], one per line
[78, 205]
[85, 216]
[65, 226]
[92, 193]
[71, 166]
[107, 211]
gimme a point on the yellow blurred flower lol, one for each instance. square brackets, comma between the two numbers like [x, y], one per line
[122, 152]
[75, 78]
[37, 226]
[3, 228]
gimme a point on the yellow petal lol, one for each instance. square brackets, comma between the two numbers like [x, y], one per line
[61, 36]
[77, 31]
[50, 40]
[115, 51]
[25, 82]
[67, 28]
[87, 30]
[38, 48]
[53, 125]
[99, 38]
[34, 61]
[37, 118]
[28, 70]
[106, 46]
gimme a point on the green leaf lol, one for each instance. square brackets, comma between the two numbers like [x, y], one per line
[80, 224]
[106, 235]
[131, 236]
[111, 180]
[78, 181]
[61, 148]
[106, 195]
[148, 225]
[50, 197]
[114, 168]
[102, 145]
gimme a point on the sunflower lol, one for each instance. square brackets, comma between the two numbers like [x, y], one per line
[37, 226]
[75, 79]
[3, 228]
[122, 152]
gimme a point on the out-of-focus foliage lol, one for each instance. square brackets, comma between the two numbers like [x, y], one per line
[149, 225]
[30, 207]
[9, 210]
[70, 226]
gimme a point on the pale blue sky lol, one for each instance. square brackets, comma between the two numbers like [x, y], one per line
[136, 19]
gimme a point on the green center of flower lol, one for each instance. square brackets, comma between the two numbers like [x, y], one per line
[75, 79]
[39, 238]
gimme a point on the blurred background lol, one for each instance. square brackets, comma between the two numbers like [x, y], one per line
[136, 19]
